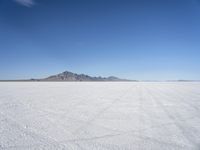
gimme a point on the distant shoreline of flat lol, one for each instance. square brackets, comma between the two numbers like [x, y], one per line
[103, 81]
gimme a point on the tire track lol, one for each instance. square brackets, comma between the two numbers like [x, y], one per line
[102, 111]
[184, 132]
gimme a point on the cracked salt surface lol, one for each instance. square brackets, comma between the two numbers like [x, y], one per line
[100, 115]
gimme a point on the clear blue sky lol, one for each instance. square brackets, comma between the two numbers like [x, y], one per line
[135, 39]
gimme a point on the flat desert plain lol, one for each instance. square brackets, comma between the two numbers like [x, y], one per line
[100, 115]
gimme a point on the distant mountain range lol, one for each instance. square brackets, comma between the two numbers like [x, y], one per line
[70, 76]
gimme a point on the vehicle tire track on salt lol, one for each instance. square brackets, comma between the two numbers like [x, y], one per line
[185, 132]
[102, 111]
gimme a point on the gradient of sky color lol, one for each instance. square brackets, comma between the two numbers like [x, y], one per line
[135, 39]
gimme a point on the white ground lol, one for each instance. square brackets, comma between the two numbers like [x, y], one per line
[103, 115]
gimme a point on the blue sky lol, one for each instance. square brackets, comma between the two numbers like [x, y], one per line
[135, 39]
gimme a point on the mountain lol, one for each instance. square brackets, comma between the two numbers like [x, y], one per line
[70, 76]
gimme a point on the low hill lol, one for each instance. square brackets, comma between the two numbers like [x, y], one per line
[70, 76]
